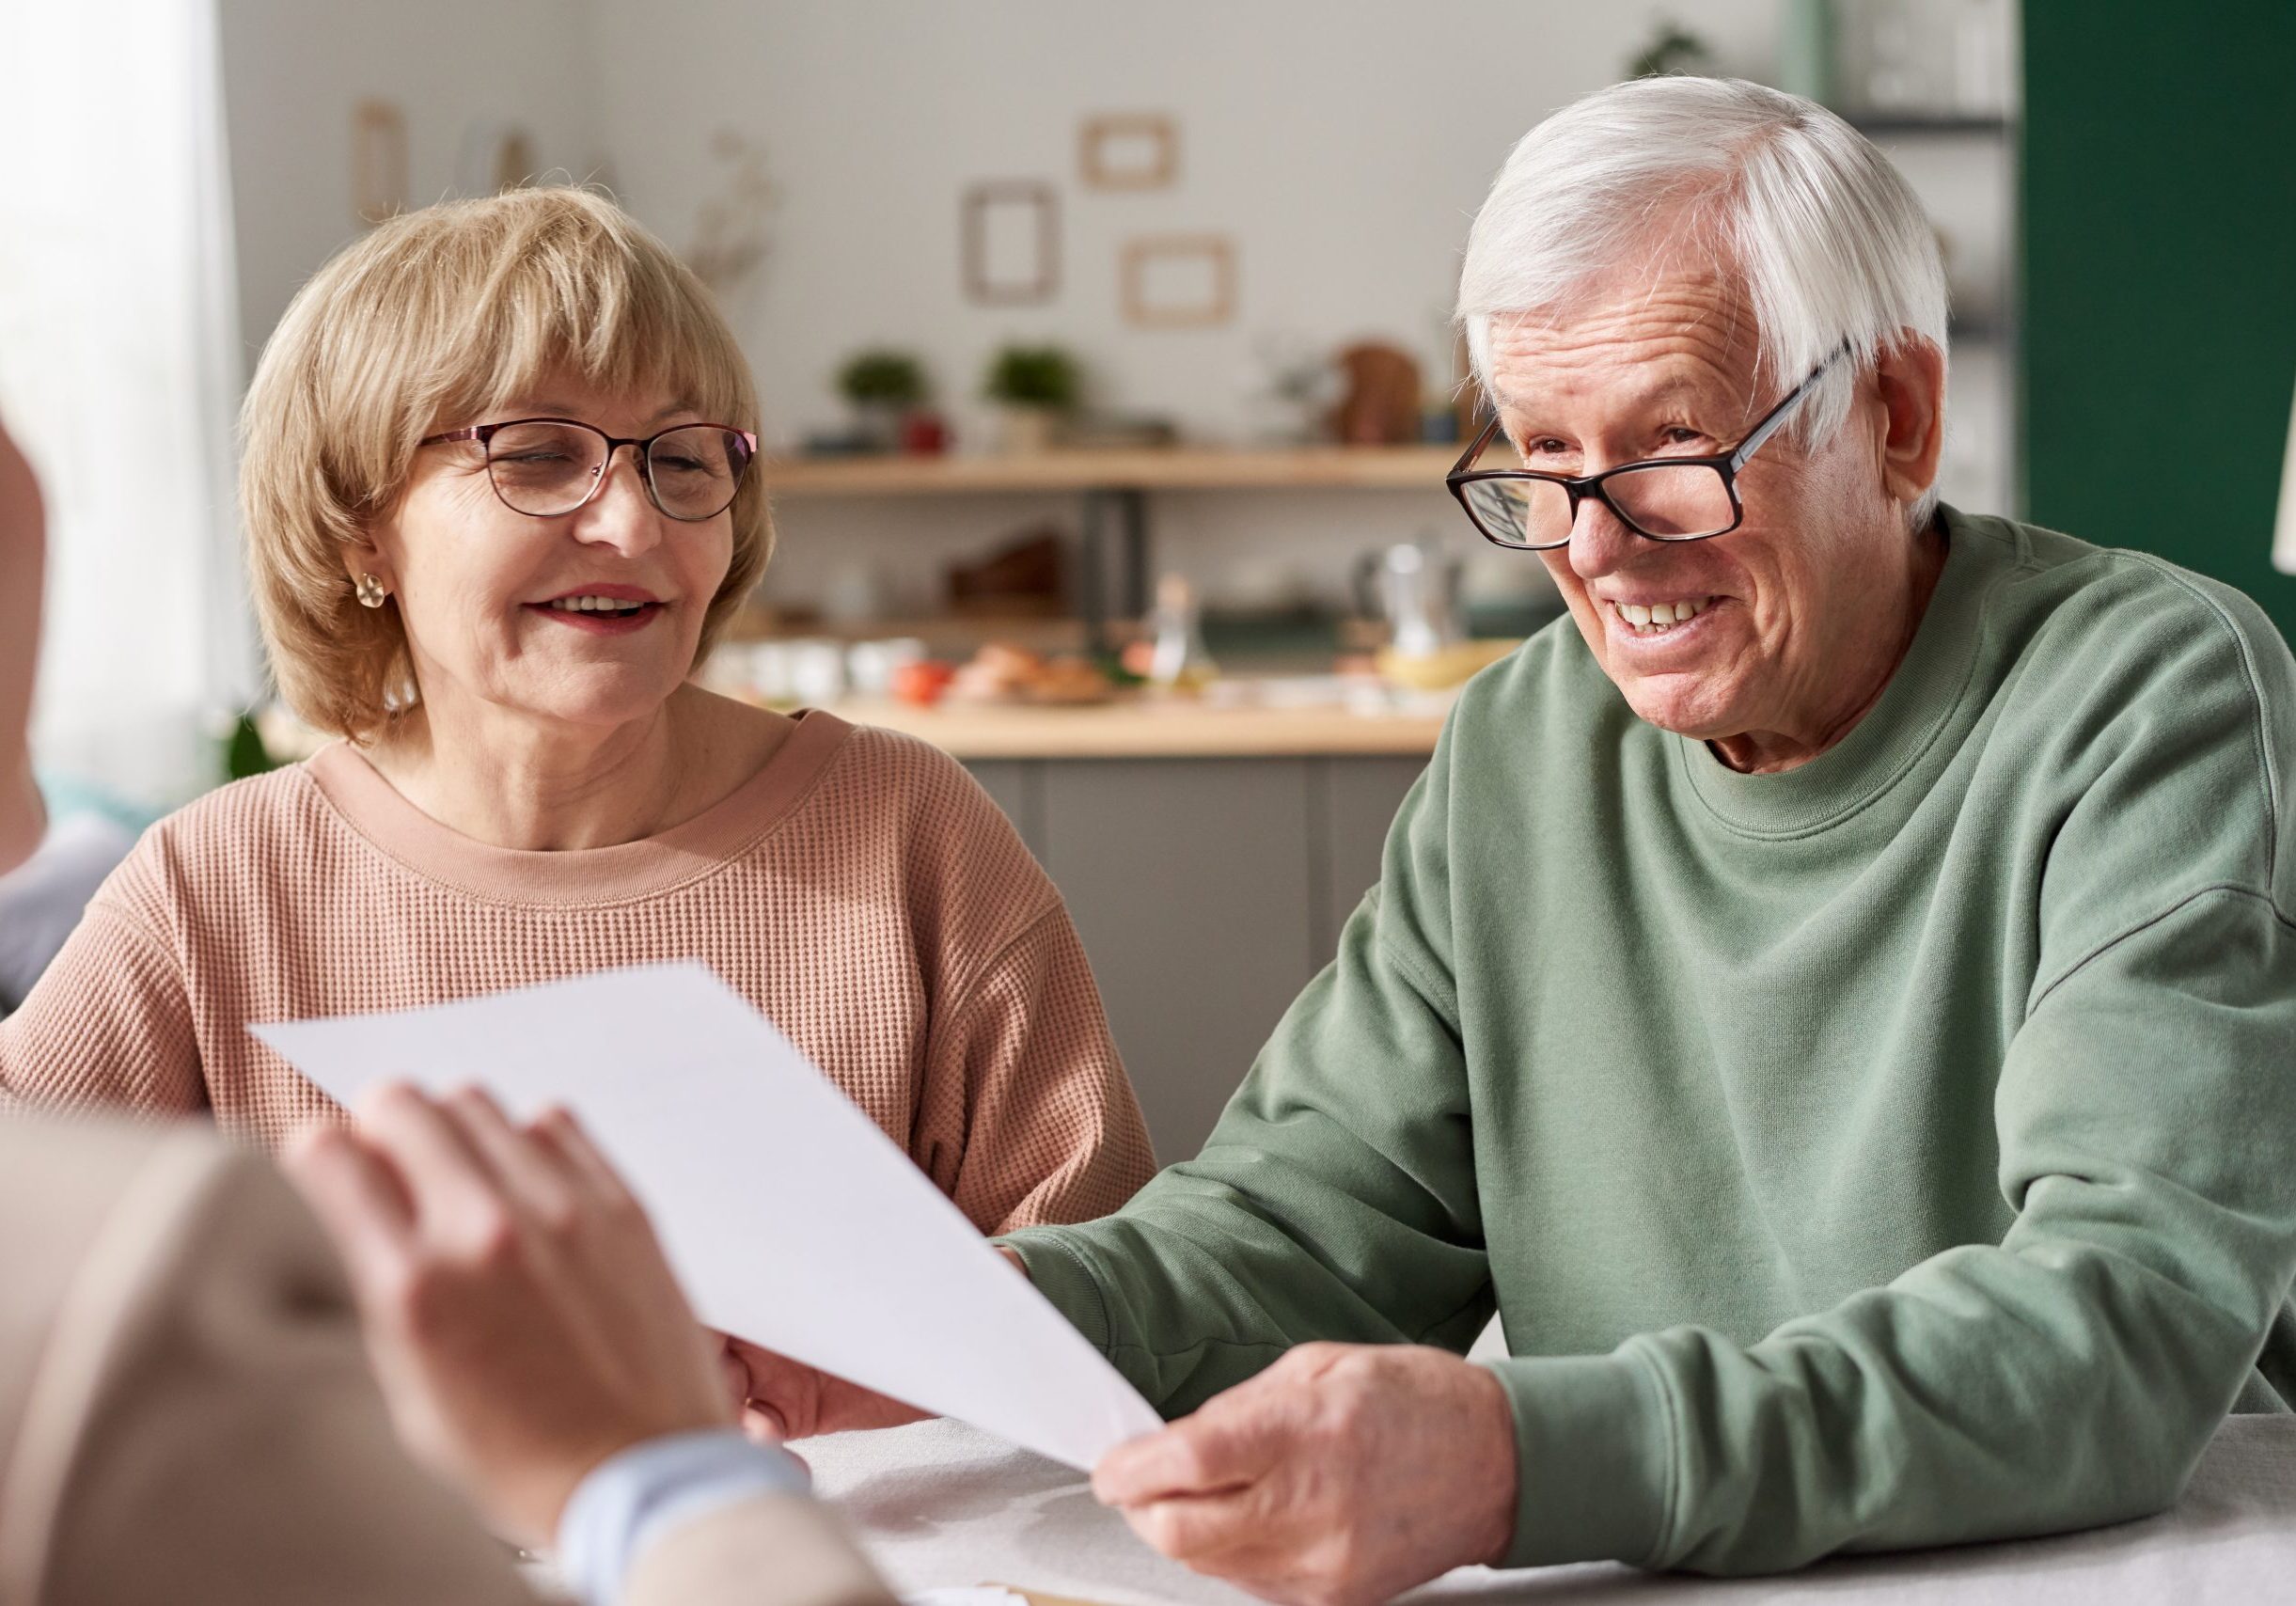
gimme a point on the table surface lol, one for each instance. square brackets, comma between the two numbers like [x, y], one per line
[940, 1504]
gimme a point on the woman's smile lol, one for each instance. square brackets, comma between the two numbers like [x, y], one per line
[602, 610]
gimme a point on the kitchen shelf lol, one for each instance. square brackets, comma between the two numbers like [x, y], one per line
[1170, 468]
[1916, 125]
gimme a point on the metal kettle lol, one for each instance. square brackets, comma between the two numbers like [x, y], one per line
[1414, 586]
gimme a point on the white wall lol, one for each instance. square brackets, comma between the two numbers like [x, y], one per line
[293, 71]
[1342, 144]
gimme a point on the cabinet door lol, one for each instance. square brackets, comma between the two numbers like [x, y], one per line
[1356, 802]
[1189, 880]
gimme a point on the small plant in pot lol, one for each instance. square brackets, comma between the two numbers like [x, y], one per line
[884, 387]
[1036, 386]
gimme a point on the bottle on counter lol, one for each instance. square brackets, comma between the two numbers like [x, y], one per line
[1179, 661]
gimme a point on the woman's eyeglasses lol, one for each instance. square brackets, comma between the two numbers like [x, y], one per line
[1665, 498]
[548, 467]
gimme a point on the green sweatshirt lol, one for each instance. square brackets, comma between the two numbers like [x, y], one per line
[1898, 1150]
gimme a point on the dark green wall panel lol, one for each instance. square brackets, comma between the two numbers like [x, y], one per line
[2159, 231]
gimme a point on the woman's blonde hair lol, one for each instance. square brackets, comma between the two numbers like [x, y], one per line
[433, 321]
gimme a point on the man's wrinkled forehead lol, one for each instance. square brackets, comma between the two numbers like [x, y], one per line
[1668, 329]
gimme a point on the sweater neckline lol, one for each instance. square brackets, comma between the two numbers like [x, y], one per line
[576, 877]
[1924, 694]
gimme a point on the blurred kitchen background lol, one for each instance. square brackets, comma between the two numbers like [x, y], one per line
[1107, 376]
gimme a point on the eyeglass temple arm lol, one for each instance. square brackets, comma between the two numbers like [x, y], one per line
[1782, 411]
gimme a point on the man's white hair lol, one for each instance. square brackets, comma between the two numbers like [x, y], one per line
[1828, 239]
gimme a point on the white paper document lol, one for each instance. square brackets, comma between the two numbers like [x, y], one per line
[793, 1221]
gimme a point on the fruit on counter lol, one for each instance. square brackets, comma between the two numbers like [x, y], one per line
[1000, 673]
[922, 683]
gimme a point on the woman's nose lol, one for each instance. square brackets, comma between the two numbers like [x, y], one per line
[621, 515]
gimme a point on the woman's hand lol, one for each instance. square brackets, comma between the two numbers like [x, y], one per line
[782, 1399]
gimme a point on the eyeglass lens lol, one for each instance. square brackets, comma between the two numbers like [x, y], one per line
[1666, 502]
[545, 469]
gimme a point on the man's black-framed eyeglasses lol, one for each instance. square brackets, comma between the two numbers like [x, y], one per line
[1665, 498]
[548, 467]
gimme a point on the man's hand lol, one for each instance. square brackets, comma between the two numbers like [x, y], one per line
[521, 1320]
[1343, 1475]
[782, 1399]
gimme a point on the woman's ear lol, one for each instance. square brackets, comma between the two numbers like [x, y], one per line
[1911, 376]
[363, 557]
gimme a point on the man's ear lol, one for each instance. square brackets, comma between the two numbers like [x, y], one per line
[1910, 378]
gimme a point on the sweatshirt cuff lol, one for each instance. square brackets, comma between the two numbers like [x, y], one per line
[1595, 1459]
[1059, 1273]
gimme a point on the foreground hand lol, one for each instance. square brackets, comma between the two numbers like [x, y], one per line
[520, 1315]
[780, 1399]
[1343, 1475]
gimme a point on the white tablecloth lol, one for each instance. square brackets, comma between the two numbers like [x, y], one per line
[940, 1505]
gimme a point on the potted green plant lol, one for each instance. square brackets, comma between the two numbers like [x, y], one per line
[884, 387]
[1036, 386]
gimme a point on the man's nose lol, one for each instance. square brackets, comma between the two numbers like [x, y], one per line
[1600, 542]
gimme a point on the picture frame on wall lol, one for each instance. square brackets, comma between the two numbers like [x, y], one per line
[1178, 281]
[1012, 243]
[378, 161]
[1128, 151]
[495, 156]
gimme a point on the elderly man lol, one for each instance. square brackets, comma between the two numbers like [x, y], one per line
[1834, 998]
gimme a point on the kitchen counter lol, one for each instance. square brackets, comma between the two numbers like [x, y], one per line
[1158, 728]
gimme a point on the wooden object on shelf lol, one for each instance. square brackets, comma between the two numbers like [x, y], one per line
[1178, 281]
[1183, 469]
[1128, 151]
[1381, 403]
[1012, 243]
[1024, 577]
[378, 161]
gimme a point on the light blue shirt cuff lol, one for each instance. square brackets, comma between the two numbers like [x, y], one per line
[633, 1499]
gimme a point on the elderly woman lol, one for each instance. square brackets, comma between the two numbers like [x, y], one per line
[498, 505]
[1832, 998]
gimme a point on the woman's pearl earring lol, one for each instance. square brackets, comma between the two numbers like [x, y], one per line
[370, 591]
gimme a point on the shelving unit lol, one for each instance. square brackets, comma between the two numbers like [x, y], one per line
[1991, 332]
[1166, 468]
[1115, 487]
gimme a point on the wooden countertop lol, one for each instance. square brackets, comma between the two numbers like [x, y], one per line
[1151, 729]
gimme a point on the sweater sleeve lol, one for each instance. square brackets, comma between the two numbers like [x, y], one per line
[1334, 1200]
[1026, 1114]
[108, 1026]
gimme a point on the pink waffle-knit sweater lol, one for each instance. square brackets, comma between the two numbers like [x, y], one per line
[861, 890]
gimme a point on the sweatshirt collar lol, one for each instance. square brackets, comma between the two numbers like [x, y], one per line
[1904, 724]
[579, 876]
